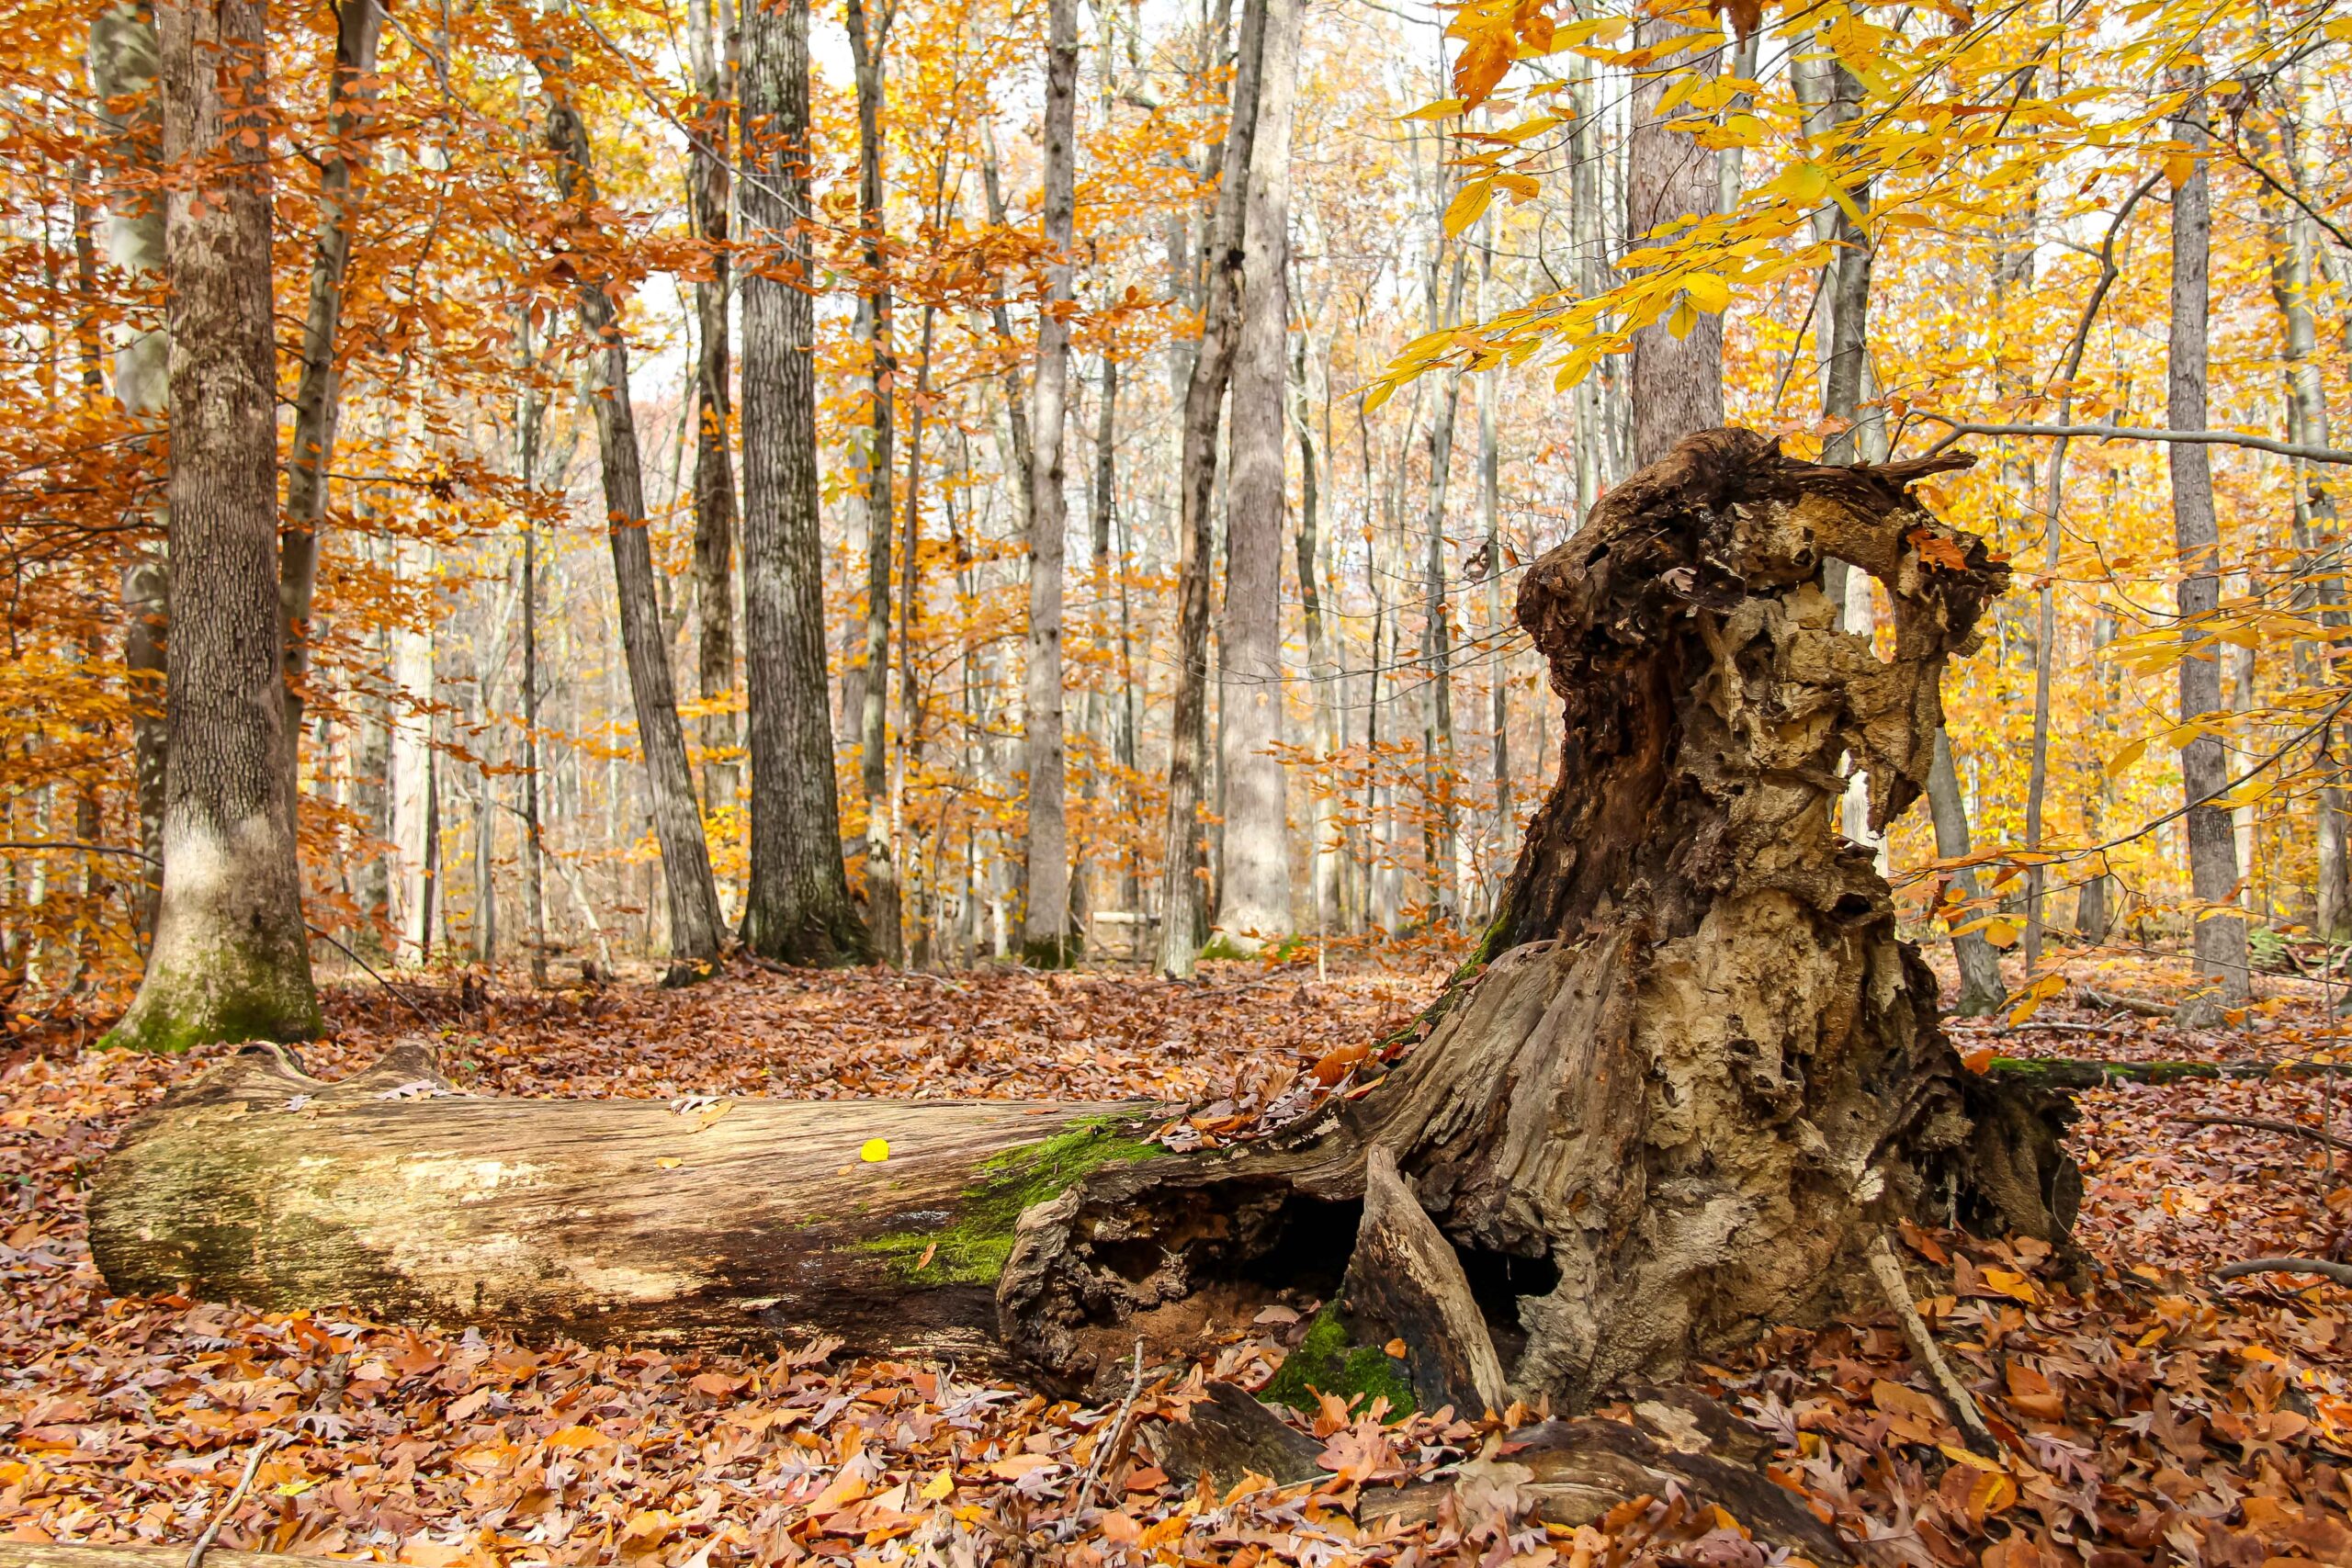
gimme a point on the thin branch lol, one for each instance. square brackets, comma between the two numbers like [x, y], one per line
[2265, 1125]
[2339, 1272]
[2134, 432]
[77, 846]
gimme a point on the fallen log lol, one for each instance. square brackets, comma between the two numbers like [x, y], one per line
[1691, 1074]
[2073, 1072]
[712, 1222]
[45, 1554]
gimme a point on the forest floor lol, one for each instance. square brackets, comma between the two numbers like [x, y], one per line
[2151, 1415]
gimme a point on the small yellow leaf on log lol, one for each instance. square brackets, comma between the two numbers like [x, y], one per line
[874, 1151]
[668, 1162]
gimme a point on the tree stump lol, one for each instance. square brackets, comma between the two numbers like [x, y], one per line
[1696, 1069]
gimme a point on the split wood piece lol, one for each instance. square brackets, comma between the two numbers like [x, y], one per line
[1572, 1473]
[1228, 1435]
[2341, 1273]
[1406, 1282]
[2071, 1073]
[21, 1554]
[2145, 1007]
[725, 1222]
[1888, 1271]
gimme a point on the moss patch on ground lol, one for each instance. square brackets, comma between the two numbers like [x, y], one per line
[972, 1248]
[1326, 1362]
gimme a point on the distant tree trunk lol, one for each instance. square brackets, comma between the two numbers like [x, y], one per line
[1118, 718]
[1183, 915]
[232, 958]
[911, 692]
[1440, 828]
[318, 390]
[708, 198]
[2220, 941]
[1588, 226]
[1254, 877]
[1490, 508]
[695, 926]
[410, 771]
[122, 67]
[1678, 382]
[868, 35]
[1982, 990]
[798, 907]
[1324, 858]
[1044, 845]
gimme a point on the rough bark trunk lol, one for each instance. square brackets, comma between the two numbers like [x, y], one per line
[123, 66]
[695, 926]
[318, 390]
[1982, 990]
[1183, 914]
[1699, 1071]
[732, 1223]
[710, 50]
[1678, 382]
[1045, 842]
[797, 909]
[2220, 941]
[1253, 873]
[231, 959]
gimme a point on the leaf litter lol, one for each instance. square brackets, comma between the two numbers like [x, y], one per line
[2146, 1415]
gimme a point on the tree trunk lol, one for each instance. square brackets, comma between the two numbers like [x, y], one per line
[695, 925]
[1253, 877]
[1044, 843]
[1183, 916]
[318, 390]
[410, 765]
[122, 68]
[1982, 990]
[1696, 1079]
[797, 909]
[711, 49]
[742, 1222]
[231, 959]
[1678, 382]
[1323, 853]
[868, 34]
[2220, 941]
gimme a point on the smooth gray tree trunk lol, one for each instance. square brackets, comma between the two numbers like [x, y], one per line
[1045, 845]
[1183, 913]
[798, 907]
[2221, 940]
[710, 52]
[231, 959]
[695, 926]
[1982, 990]
[1254, 878]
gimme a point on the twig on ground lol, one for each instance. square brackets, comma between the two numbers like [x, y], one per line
[2146, 1007]
[1888, 1271]
[2056, 1028]
[2264, 1125]
[262, 1446]
[1114, 1438]
[2339, 1272]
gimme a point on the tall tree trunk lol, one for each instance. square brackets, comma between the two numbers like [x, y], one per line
[1982, 990]
[1678, 382]
[798, 907]
[2220, 941]
[696, 927]
[123, 66]
[711, 49]
[318, 390]
[1045, 845]
[870, 33]
[1490, 508]
[232, 958]
[1440, 828]
[1253, 876]
[411, 769]
[1183, 915]
[1324, 858]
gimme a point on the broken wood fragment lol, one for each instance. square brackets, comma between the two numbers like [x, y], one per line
[1404, 1282]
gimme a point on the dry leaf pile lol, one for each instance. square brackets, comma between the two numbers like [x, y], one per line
[2146, 1415]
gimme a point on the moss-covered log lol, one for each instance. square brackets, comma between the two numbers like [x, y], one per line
[701, 1223]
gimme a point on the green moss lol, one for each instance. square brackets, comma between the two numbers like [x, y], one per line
[1325, 1363]
[246, 995]
[971, 1248]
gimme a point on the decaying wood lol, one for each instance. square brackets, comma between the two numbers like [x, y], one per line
[1692, 1074]
[1228, 1435]
[1699, 1069]
[1404, 1281]
[21, 1554]
[708, 1223]
[1965, 1415]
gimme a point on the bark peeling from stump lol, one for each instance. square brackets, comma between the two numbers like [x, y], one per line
[1701, 1069]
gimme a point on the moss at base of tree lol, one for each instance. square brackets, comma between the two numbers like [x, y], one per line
[972, 1248]
[242, 1000]
[1325, 1363]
